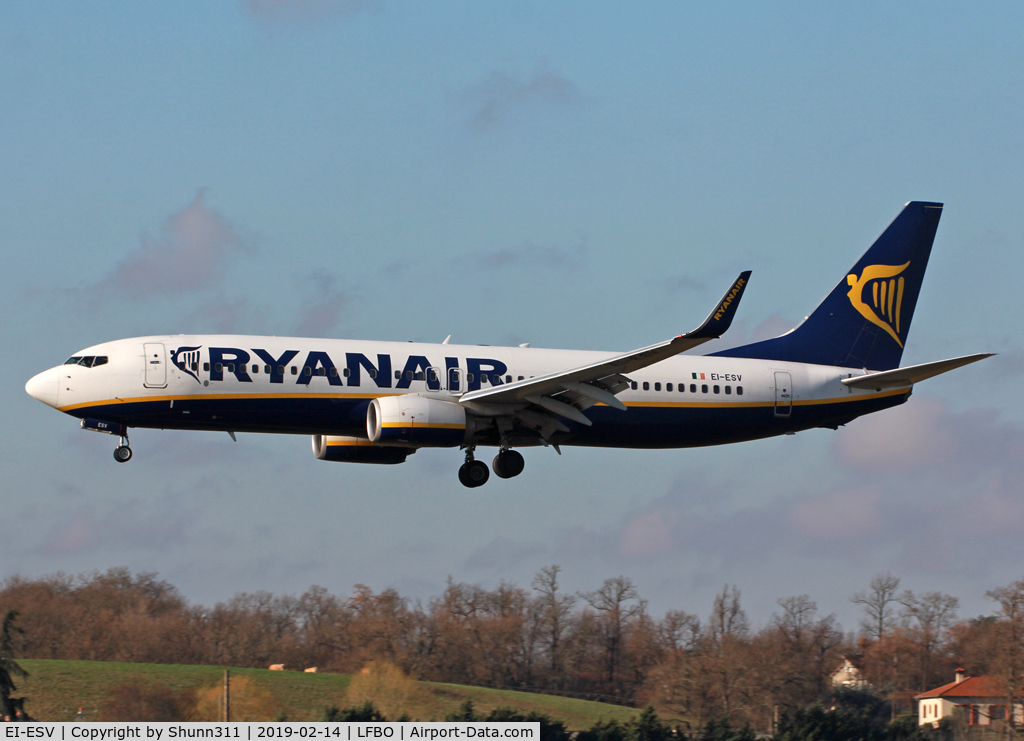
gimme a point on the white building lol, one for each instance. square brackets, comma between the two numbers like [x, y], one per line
[983, 700]
[848, 674]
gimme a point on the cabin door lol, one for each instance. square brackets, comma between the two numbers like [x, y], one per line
[783, 394]
[155, 357]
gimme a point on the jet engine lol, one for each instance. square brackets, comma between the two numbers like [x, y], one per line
[416, 421]
[356, 450]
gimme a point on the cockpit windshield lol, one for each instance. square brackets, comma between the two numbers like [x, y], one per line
[88, 361]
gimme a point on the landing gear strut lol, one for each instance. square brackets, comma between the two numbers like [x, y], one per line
[473, 473]
[123, 453]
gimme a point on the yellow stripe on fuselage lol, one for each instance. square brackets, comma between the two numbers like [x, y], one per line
[638, 404]
[434, 425]
[205, 397]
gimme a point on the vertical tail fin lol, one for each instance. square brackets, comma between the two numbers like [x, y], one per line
[864, 321]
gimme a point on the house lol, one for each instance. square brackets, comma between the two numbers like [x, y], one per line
[849, 675]
[983, 700]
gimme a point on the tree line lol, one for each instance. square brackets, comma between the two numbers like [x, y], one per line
[603, 644]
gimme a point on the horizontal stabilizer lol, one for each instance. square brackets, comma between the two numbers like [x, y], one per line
[911, 374]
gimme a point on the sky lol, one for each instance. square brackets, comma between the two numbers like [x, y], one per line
[586, 175]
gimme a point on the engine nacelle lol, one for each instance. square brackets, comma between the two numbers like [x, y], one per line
[356, 450]
[416, 421]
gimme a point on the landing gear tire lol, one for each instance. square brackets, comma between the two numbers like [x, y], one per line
[122, 454]
[474, 474]
[508, 463]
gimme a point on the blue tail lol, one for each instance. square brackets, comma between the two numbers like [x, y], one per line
[864, 322]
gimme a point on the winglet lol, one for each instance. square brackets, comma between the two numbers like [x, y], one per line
[718, 321]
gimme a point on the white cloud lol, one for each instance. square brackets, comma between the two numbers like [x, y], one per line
[324, 305]
[501, 96]
[190, 254]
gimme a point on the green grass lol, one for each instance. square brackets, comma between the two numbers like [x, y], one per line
[56, 689]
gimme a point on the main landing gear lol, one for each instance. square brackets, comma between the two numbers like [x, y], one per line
[474, 473]
[123, 453]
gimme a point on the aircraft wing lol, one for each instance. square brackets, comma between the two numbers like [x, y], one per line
[912, 373]
[599, 382]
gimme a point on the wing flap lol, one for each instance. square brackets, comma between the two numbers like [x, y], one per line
[605, 375]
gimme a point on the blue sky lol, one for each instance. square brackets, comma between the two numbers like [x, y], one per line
[583, 175]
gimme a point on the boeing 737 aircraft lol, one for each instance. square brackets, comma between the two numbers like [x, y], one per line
[379, 402]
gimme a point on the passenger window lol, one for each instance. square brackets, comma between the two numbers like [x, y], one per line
[647, 386]
[266, 369]
[334, 372]
[408, 375]
[280, 370]
[633, 384]
[668, 386]
[520, 378]
[496, 379]
[508, 379]
[206, 366]
[728, 390]
[345, 372]
[739, 391]
[256, 369]
[431, 376]
[321, 371]
[307, 371]
[682, 388]
[398, 375]
[219, 368]
[195, 366]
[469, 378]
[704, 388]
[716, 389]
[657, 386]
[372, 373]
[295, 371]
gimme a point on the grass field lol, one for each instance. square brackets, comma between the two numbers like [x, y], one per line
[56, 689]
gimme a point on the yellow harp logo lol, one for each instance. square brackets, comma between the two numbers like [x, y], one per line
[886, 296]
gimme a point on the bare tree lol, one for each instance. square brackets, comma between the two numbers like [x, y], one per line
[879, 604]
[930, 616]
[728, 619]
[610, 601]
[555, 611]
[1011, 622]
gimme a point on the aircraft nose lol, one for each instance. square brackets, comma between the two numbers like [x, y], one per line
[43, 386]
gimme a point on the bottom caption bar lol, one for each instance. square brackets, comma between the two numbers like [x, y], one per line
[256, 731]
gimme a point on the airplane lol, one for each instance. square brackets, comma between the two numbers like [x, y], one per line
[379, 402]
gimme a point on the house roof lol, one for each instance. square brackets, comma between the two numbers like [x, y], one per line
[970, 687]
[853, 661]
